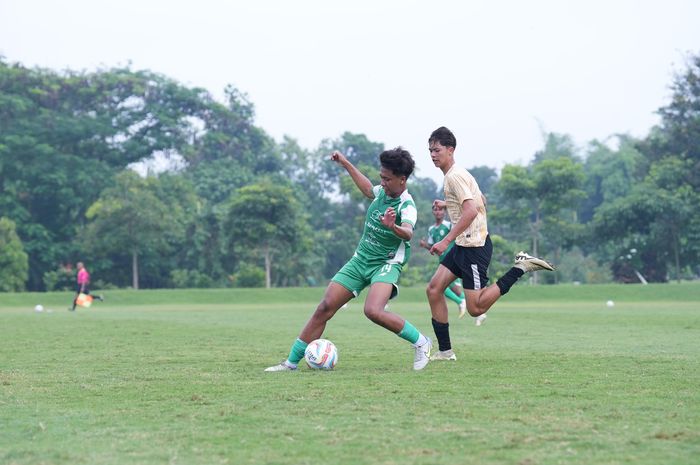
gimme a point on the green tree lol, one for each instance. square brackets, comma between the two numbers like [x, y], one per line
[130, 219]
[679, 132]
[657, 220]
[556, 146]
[14, 264]
[265, 219]
[656, 217]
[63, 136]
[546, 191]
[610, 173]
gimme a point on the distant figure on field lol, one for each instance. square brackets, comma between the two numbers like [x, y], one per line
[83, 285]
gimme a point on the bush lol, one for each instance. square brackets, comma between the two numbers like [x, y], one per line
[61, 279]
[103, 285]
[14, 262]
[576, 267]
[249, 276]
[188, 279]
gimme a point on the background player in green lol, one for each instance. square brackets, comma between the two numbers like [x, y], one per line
[383, 250]
[437, 232]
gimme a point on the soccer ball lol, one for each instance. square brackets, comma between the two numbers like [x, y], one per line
[610, 303]
[321, 354]
[39, 308]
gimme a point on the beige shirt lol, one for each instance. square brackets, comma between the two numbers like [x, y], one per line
[460, 185]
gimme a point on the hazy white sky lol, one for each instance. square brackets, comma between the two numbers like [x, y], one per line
[495, 72]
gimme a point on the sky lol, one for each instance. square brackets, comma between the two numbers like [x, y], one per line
[499, 74]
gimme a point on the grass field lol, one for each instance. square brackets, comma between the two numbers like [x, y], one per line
[176, 377]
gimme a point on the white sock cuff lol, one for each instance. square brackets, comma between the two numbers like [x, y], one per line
[421, 340]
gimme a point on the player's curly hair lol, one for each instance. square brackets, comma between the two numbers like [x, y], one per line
[444, 136]
[397, 160]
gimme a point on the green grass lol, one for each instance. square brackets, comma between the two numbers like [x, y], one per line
[175, 377]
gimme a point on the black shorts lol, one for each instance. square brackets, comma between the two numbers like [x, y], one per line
[470, 263]
[78, 291]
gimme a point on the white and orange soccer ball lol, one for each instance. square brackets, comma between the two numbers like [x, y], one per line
[321, 354]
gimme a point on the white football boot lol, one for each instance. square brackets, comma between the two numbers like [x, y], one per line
[444, 355]
[529, 263]
[422, 357]
[281, 367]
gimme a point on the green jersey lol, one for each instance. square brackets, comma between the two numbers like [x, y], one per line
[437, 232]
[379, 244]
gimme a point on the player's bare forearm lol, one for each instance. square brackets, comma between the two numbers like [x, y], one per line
[405, 231]
[469, 212]
[439, 247]
[360, 180]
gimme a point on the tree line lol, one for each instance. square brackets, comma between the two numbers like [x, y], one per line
[155, 184]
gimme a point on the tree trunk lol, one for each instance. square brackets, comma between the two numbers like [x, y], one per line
[676, 256]
[535, 240]
[268, 266]
[134, 270]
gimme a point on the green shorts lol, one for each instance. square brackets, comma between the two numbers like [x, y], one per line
[357, 274]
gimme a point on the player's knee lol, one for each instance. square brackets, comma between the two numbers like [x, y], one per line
[373, 312]
[475, 311]
[324, 310]
[433, 290]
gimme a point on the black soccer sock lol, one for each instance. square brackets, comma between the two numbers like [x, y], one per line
[442, 333]
[507, 280]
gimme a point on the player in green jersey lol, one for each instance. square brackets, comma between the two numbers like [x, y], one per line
[383, 250]
[437, 232]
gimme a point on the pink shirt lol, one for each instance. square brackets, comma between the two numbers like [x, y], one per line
[83, 276]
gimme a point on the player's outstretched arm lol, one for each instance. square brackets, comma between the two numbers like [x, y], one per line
[360, 180]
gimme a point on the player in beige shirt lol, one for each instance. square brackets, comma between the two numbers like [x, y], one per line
[469, 259]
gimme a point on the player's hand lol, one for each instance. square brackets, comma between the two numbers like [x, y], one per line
[424, 244]
[338, 157]
[439, 248]
[437, 203]
[389, 217]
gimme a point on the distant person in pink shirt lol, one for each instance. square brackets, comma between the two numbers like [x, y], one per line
[83, 284]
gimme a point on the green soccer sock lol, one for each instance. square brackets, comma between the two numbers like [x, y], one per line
[409, 332]
[297, 351]
[449, 293]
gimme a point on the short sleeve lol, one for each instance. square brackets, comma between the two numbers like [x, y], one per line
[409, 214]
